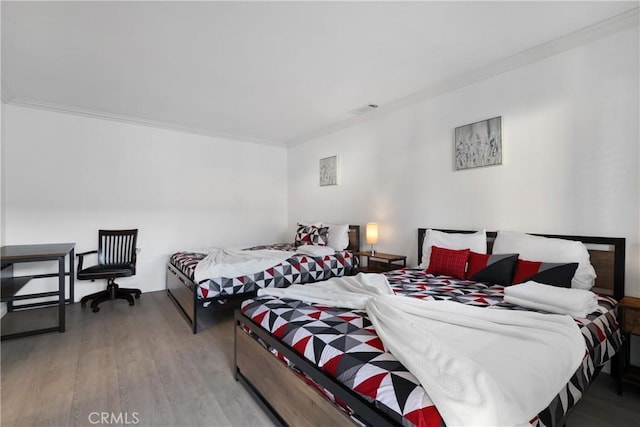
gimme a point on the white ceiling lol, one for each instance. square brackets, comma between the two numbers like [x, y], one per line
[274, 72]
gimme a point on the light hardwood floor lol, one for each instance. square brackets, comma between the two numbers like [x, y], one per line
[143, 363]
[125, 360]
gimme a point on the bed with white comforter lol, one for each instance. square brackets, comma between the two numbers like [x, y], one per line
[494, 328]
[211, 277]
[506, 364]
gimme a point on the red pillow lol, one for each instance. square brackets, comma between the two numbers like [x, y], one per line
[448, 262]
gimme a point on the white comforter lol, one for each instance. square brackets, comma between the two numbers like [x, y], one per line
[315, 250]
[349, 291]
[481, 367]
[237, 262]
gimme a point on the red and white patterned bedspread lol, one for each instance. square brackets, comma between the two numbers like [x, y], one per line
[344, 344]
[294, 270]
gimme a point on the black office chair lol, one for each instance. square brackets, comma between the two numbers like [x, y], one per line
[116, 258]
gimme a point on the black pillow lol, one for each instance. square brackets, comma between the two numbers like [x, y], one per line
[555, 274]
[494, 268]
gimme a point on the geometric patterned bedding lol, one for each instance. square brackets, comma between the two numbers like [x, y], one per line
[343, 343]
[296, 269]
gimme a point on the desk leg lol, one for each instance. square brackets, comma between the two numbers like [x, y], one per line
[61, 301]
[71, 275]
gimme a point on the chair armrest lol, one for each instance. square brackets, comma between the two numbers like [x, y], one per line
[86, 253]
[81, 257]
[134, 259]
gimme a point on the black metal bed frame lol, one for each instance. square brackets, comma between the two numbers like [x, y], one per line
[199, 303]
[358, 404]
[364, 410]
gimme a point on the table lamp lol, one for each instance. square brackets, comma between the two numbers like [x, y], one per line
[371, 235]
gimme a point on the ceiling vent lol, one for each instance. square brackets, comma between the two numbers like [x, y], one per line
[365, 109]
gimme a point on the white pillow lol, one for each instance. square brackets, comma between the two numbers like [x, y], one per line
[338, 236]
[477, 242]
[545, 249]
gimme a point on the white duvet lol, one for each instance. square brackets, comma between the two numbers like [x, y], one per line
[236, 262]
[480, 367]
[349, 291]
[315, 250]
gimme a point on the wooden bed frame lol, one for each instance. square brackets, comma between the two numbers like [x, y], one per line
[293, 402]
[184, 291]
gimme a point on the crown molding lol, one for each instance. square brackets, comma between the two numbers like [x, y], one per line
[572, 40]
[135, 121]
[583, 36]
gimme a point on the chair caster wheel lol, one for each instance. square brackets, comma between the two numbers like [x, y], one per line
[83, 304]
[137, 296]
[96, 309]
[132, 303]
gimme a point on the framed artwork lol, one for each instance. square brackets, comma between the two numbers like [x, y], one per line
[478, 144]
[329, 171]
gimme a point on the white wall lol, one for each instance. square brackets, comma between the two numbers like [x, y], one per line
[66, 176]
[3, 306]
[570, 162]
[2, 202]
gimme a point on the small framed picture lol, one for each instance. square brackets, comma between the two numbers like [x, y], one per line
[329, 171]
[478, 144]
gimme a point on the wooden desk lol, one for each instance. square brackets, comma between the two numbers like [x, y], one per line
[10, 284]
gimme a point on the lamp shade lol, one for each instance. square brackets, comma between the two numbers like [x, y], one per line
[371, 234]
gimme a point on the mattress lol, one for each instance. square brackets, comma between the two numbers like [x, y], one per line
[344, 344]
[298, 268]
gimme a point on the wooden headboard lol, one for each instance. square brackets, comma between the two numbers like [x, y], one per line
[354, 238]
[607, 257]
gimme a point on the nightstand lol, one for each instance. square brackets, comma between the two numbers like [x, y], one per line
[379, 262]
[629, 310]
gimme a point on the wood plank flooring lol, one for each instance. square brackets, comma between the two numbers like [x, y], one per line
[140, 361]
[143, 364]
